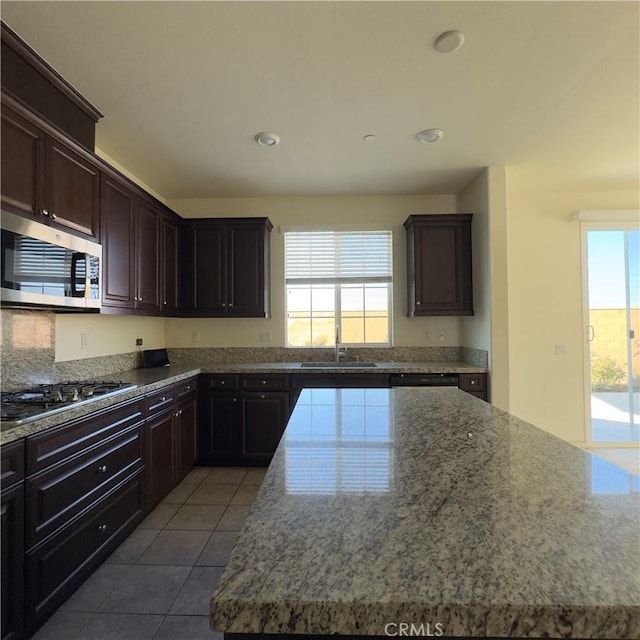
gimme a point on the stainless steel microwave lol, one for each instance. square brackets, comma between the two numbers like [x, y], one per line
[48, 268]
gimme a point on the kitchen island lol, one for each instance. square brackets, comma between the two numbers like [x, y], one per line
[432, 509]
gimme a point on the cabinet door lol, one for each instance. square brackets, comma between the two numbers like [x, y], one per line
[186, 437]
[147, 254]
[72, 190]
[22, 165]
[207, 250]
[169, 270]
[248, 271]
[118, 228]
[218, 428]
[440, 266]
[264, 417]
[12, 530]
[160, 458]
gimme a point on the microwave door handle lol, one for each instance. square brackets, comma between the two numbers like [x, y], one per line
[75, 260]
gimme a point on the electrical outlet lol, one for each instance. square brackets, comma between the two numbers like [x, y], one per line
[195, 337]
[425, 335]
[139, 342]
[560, 349]
[265, 337]
[442, 336]
[84, 340]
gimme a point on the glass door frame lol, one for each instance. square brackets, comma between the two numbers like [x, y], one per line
[620, 220]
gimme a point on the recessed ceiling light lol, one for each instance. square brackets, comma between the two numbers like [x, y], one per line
[370, 137]
[430, 135]
[267, 139]
[449, 41]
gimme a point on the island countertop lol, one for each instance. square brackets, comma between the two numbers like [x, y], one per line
[430, 507]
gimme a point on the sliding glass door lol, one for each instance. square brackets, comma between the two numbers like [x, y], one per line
[613, 333]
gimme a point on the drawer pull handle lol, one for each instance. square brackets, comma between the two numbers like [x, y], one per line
[102, 528]
[102, 468]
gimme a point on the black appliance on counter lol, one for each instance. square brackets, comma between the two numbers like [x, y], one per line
[19, 407]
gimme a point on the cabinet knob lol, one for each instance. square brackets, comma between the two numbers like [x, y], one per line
[188, 387]
[53, 216]
[135, 298]
[235, 399]
[102, 528]
[473, 381]
[418, 302]
[264, 382]
[262, 396]
[221, 381]
[140, 298]
[180, 412]
[230, 305]
[165, 302]
[163, 398]
[102, 468]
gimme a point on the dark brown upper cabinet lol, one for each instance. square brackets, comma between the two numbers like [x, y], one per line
[439, 277]
[169, 236]
[226, 267]
[47, 180]
[131, 245]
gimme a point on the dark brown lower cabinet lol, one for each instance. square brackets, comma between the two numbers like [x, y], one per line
[57, 566]
[159, 462]
[12, 531]
[171, 438]
[186, 436]
[242, 418]
[263, 420]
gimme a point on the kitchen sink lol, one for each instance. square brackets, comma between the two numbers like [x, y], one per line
[338, 365]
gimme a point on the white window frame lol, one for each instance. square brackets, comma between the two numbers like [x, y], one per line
[338, 284]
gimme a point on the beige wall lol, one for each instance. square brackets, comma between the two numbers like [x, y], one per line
[545, 301]
[488, 328]
[383, 211]
[106, 335]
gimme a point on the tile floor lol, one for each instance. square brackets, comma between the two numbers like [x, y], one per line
[157, 584]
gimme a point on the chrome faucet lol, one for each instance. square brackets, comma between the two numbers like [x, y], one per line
[340, 353]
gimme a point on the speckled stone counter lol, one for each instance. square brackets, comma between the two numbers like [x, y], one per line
[428, 506]
[146, 380]
[381, 367]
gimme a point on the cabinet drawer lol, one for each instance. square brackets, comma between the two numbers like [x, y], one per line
[186, 387]
[12, 469]
[57, 444]
[472, 381]
[55, 568]
[160, 400]
[223, 382]
[58, 494]
[265, 383]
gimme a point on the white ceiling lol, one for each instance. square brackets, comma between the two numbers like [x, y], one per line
[185, 86]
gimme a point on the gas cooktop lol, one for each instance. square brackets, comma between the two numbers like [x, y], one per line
[19, 407]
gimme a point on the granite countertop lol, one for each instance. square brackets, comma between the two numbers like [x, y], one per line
[381, 367]
[146, 380]
[429, 506]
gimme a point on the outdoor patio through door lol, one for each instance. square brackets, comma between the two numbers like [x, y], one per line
[613, 332]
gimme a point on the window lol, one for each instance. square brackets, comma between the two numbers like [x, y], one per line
[338, 278]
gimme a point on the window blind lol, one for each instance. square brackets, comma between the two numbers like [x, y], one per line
[337, 256]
